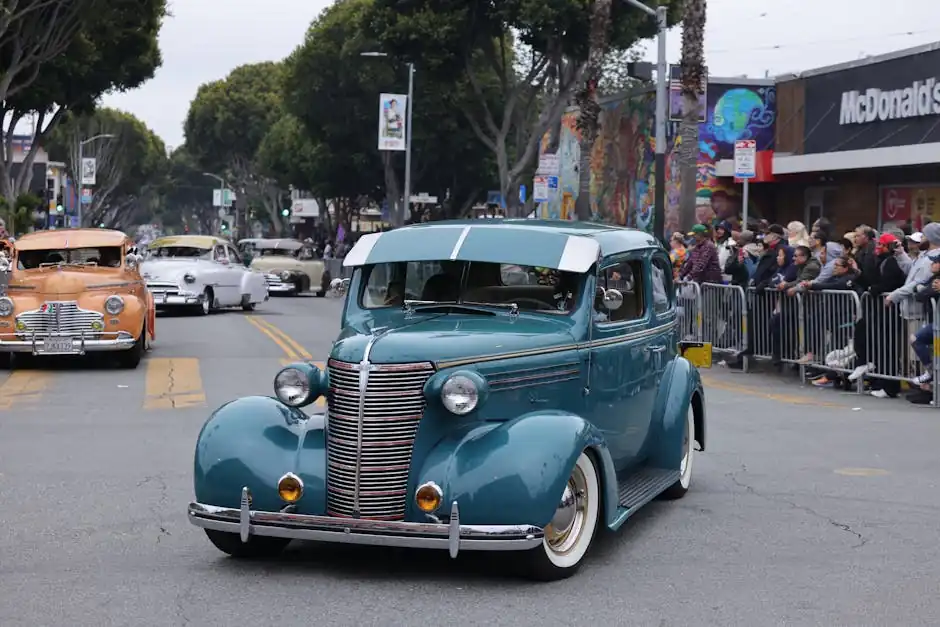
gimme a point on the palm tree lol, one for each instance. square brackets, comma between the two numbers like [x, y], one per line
[694, 76]
[589, 111]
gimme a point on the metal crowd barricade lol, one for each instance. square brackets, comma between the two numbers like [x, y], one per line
[889, 329]
[724, 318]
[689, 311]
[776, 323]
[830, 318]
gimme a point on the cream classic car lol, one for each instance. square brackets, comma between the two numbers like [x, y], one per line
[201, 273]
[289, 266]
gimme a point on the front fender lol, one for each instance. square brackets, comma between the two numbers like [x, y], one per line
[681, 381]
[253, 442]
[514, 472]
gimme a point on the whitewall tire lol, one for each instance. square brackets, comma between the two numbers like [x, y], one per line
[569, 534]
[680, 487]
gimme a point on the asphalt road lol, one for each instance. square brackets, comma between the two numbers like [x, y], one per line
[810, 507]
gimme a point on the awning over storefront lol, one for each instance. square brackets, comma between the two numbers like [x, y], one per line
[890, 157]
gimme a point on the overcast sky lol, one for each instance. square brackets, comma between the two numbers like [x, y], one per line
[205, 39]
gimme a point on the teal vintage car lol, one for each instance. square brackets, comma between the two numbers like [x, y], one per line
[497, 385]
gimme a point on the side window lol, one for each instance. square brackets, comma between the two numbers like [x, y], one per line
[233, 255]
[627, 278]
[218, 253]
[661, 277]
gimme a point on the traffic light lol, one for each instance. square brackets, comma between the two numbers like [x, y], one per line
[285, 212]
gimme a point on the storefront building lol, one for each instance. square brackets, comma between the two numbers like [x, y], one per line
[858, 143]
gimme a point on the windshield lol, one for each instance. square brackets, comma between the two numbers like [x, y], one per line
[190, 252]
[529, 288]
[107, 256]
[275, 252]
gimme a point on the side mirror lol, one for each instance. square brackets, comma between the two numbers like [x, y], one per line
[613, 300]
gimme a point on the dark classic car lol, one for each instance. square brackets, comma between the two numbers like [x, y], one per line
[504, 385]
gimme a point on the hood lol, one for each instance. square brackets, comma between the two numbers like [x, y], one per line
[171, 269]
[63, 282]
[272, 264]
[443, 337]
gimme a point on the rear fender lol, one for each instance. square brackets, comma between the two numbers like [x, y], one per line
[252, 442]
[680, 383]
[515, 472]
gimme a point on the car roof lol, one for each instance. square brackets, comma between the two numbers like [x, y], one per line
[70, 238]
[281, 242]
[193, 241]
[560, 244]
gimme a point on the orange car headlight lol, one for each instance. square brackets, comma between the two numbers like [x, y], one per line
[290, 488]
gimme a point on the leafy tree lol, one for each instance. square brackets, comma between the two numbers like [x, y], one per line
[694, 75]
[456, 38]
[18, 216]
[333, 91]
[130, 165]
[226, 124]
[186, 195]
[114, 47]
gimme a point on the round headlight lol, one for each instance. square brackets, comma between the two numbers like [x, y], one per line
[6, 306]
[285, 276]
[189, 278]
[291, 387]
[460, 395]
[114, 305]
[290, 488]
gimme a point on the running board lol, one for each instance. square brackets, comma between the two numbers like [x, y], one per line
[643, 486]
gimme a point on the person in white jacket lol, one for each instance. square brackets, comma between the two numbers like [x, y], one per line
[726, 247]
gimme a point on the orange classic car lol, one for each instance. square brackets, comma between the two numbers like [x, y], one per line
[76, 291]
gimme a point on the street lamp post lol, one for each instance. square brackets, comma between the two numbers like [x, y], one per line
[411, 96]
[221, 191]
[659, 209]
[81, 169]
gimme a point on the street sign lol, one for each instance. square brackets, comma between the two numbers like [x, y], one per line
[745, 159]
[216, 198]
[89, 170]
[540, 189]
[424, 199]
[552, 186]
[549, 165]
[87, 195]
[522, 191]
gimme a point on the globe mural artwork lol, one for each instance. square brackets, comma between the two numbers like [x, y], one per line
[622, 161]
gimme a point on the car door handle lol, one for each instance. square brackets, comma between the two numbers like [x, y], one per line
[655, 349]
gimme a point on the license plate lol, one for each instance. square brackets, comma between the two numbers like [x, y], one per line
[699, 354]
[58, 345]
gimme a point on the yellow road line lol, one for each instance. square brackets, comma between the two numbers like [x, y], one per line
[174, 383]
[711, 382]
[290, 352]
[23, 387]
[298, 349]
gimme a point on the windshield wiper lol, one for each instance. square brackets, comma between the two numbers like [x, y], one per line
[435, 305]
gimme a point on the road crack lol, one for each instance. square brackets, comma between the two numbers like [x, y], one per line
[733, 476]
[171, 388]
[158, 509]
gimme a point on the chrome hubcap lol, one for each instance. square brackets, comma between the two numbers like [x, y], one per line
[563, 532]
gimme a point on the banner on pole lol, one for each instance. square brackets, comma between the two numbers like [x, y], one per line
[392, 108]
[89, 170]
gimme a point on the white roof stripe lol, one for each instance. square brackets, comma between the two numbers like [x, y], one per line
[360, 252]
[580, 254]
[459, 244]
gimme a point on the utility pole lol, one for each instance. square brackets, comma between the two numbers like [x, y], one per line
[659, 209]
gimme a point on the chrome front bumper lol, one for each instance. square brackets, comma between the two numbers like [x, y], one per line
[37, 345]
[176, 300]
[452, 536]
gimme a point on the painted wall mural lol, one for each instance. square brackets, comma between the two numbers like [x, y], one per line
[622, 160]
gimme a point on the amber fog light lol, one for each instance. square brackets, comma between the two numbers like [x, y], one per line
[428, 497]
[290, 488]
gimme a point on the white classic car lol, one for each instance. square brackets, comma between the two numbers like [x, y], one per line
[200, 272]
[289, 267]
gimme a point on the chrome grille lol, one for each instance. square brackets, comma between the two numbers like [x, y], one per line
[272, 279]
[394, 404]
[163, 287]
[60, 318]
